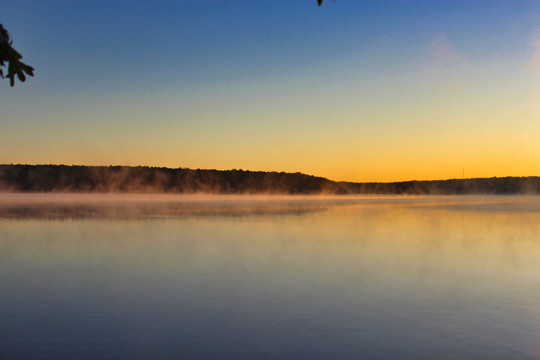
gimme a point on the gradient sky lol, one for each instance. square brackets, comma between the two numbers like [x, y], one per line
[353, 90]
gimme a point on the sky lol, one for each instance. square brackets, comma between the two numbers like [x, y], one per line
[352, 90]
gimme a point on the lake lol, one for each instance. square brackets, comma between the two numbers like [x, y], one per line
[255, 277]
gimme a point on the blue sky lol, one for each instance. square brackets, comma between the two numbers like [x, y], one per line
[352, 90]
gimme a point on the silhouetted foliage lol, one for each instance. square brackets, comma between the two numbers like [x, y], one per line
[126, 179]
[497, 186]
[141, 179]
[11, 57]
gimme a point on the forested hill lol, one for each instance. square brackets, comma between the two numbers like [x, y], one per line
[140, 179]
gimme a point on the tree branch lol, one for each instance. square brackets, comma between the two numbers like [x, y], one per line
[11, 57]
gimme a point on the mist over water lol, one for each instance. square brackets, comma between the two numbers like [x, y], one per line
[206, 277]
[73, 205]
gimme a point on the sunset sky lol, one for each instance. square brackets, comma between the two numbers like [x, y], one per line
[352, 90]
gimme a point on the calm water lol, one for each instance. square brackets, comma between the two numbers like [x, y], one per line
[156, 277]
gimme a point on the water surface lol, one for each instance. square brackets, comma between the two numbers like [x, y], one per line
[138, 277]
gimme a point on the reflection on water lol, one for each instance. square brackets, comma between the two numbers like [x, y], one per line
[306, 278]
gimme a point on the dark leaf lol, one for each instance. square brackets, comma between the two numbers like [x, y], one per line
[21, 76]
[29, 70]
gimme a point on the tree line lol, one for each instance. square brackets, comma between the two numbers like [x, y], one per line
[143, 179]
